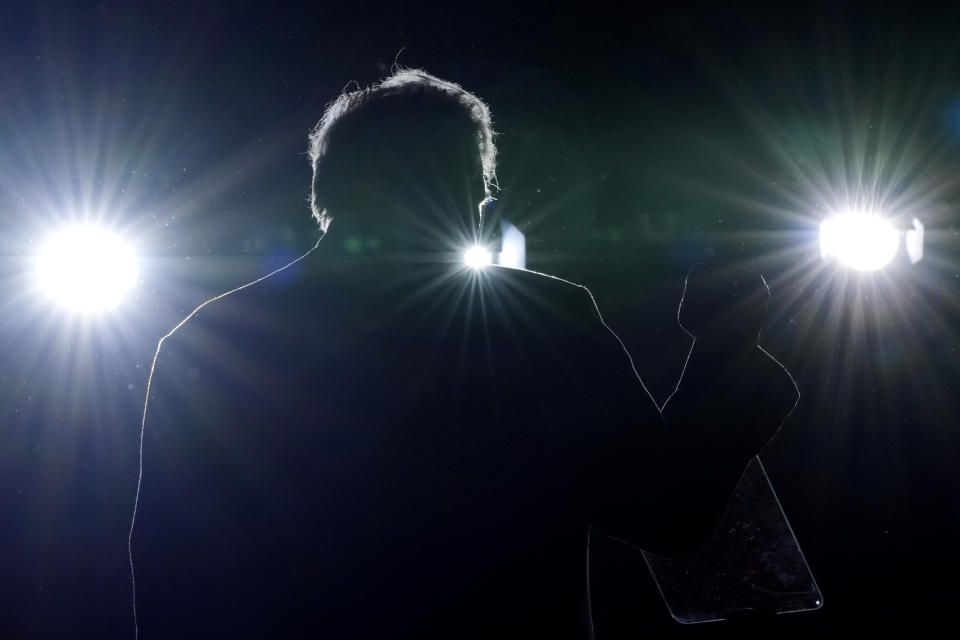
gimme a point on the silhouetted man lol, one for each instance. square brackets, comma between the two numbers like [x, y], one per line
[392, 444]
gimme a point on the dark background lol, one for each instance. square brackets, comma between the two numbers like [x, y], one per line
[633, 144]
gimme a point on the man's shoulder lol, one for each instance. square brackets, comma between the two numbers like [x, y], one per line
[238, 332]
[270, 320]
[535, 279]
[562, 299]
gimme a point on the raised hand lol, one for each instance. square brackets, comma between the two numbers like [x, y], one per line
[732, 396]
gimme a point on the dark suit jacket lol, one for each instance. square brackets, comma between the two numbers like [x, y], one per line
[417, 453]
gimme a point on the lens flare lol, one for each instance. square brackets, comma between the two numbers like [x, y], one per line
[477, 257]
[862, 241]
[86, 269]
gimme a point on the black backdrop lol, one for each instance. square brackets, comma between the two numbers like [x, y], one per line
[633, 144]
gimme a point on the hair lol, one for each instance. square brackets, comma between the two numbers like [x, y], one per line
[403, 82]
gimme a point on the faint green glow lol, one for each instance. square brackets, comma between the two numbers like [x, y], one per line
[86, 269]
[353, 244]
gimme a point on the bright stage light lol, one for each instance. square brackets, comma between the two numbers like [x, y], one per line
[86, 269]
[477, 257]
[913, 239]
[513, 252]
[862, 241]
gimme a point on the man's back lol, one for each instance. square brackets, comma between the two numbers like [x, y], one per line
[417, 459]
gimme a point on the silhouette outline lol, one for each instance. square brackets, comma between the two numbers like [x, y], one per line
[390, 443]
[751, 546]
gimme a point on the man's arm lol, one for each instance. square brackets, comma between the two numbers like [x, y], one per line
[662, 483]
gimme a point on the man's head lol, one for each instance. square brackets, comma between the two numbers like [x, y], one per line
[412, 155]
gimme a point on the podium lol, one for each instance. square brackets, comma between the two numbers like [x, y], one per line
[753, 565]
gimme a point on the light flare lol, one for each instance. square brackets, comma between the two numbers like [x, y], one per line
[477, 257]
[86, 269]
[861, 240]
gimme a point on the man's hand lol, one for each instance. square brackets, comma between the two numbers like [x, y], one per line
[732, 396]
